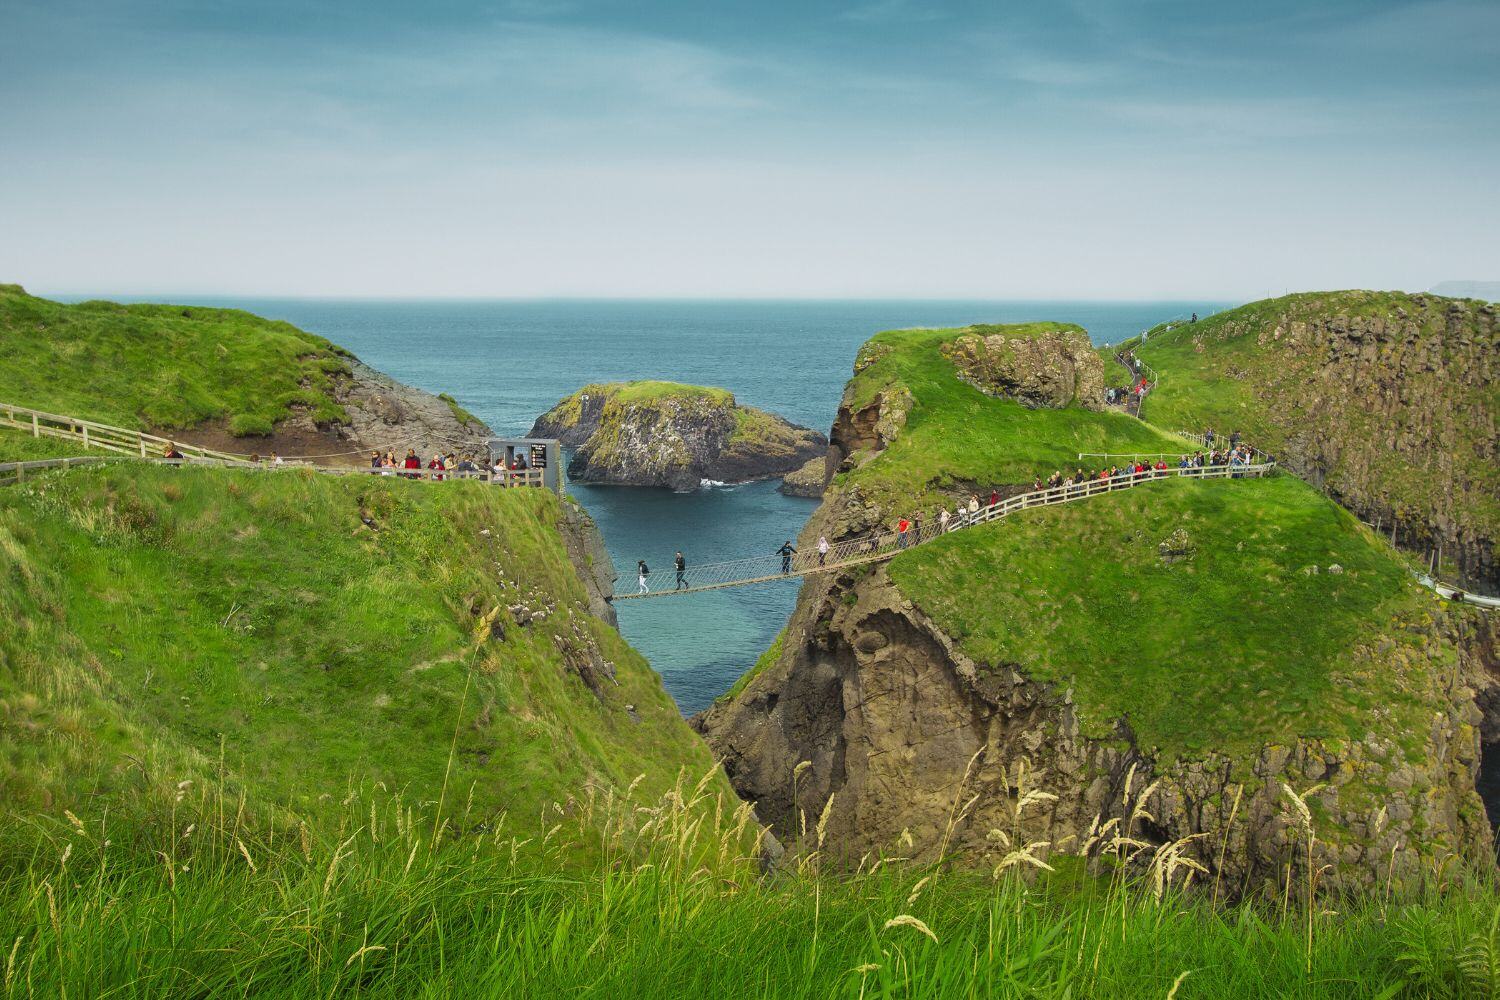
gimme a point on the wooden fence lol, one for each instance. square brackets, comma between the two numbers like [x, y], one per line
[105, 437]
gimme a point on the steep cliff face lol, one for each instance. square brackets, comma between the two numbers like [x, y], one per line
[1387, 402]
[673, 436]
[912, 707]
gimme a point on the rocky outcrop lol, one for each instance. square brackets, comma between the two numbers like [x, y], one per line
[386, 414]
[673, 436]
[383, 415]
[1055, 368]
[807, 481]
[1385, 402]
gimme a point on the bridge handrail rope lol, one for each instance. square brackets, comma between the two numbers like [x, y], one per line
[887, 544]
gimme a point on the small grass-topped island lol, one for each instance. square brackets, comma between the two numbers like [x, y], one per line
[666, 434]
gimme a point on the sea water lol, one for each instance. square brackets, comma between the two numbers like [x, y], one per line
[509, 361]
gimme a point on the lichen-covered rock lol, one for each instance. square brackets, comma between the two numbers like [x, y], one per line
[1055, 368]
[808, 481]
[674, 436]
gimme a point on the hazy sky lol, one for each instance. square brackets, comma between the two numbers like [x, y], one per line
[889, 148]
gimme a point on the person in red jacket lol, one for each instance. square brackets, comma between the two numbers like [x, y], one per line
[412, 462]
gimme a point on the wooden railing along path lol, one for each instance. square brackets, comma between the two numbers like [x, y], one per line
[664, 581]
[140, 445]
[17, 472]
[93, 434]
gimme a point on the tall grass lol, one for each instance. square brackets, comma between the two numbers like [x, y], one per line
[611, 895]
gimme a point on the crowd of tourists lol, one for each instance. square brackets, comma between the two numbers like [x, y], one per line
[448, 466]
[1139, 385]
[441, 466]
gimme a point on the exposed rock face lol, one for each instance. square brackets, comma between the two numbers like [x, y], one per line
[673, 436]
[807, 481]
[386, 414]
[912, 746]
[1386, 403]
[1054, 369]
[590, 557]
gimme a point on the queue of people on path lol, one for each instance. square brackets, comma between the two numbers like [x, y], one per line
[450, 466]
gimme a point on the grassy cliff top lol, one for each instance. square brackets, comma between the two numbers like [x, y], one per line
[1231, 643]
[648, 390]
[163, 366]
[1412, 411]
[954, 434]
[645, 391]
[251, 630]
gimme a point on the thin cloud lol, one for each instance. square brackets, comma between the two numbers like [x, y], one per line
[893, 12]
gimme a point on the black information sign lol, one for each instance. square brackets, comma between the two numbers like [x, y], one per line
[538, 456]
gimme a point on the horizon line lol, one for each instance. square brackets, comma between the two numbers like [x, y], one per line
[170, 297]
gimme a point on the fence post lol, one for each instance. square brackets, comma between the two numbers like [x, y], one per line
[142, 442]
[36, 430]
[85, 435]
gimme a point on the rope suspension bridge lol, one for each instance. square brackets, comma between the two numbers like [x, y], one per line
[881, 546]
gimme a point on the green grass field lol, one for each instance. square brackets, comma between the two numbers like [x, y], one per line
[955, 436]
[367, 906]
[1227, 648]
[161, 366]
[250, 629]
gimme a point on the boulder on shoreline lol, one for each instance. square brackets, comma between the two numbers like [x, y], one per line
[675, 436]
[808, 481]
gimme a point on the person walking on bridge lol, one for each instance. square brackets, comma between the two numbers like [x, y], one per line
[641, 572]
[786, 552]
[681, 565]
[901, 529]
[822, 550]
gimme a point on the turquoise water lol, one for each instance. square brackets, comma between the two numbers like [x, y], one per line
[510, 361]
